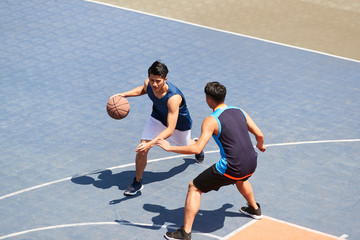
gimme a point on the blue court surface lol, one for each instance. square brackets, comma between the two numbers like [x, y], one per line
[65, 163]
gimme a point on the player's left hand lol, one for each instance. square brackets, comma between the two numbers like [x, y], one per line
[142, 147]
[262, 147]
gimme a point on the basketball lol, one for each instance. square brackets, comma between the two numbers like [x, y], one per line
[118, 107]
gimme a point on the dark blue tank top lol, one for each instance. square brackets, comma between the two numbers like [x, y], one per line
[160, 109]
[238, 156]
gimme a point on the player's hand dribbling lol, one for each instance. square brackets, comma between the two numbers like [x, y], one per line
[118, 94]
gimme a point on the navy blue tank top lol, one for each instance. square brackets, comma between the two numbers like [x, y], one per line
[238, 156]
[160, 109]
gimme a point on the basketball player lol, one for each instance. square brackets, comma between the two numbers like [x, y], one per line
[170, 119]
[230, 127]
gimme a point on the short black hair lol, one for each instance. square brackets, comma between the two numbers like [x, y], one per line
[158, 68]
[216, 91]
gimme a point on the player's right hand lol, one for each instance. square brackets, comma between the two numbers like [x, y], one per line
[163, 144]
[118, 94]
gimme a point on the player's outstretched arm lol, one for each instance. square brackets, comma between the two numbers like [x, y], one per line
[254, 129]
[207, 130]
[138, 91]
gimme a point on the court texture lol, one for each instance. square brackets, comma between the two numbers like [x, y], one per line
[65, 163]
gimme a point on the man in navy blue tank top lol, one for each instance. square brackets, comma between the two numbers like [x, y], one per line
[230, 127]
[170, 119]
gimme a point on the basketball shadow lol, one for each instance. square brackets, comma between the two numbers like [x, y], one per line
[206, 221]
[106, 179]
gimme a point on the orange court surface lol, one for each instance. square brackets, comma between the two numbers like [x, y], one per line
[272, 229]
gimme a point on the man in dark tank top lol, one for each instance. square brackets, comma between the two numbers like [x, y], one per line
[230, 127]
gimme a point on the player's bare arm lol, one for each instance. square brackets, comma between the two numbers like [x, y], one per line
[138, 91]
[208, 127]
[254, 129]
[173, 112]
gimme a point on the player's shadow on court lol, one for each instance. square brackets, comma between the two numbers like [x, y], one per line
[206, 221]
[106, 179]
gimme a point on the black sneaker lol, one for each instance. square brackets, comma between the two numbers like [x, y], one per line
[179, 234]
[134, 188]
[250, 211]
[201, 156]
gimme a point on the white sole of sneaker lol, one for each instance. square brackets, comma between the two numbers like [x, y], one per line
[256, 217]
[170, 238]
[133, 193]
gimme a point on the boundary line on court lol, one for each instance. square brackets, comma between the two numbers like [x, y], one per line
[224, 31]
[56, 227]
[97, 224]
[344, 236]
[165, 226]
[171, 157]
[240, 229]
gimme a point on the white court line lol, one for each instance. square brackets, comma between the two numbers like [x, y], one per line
[342, 237]
[154, 160]
[56, 227]
[69, 178]
[169, 227]
[172, 157]
[240, 229]
[224, 31]
[312, 142]
[95, 224]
